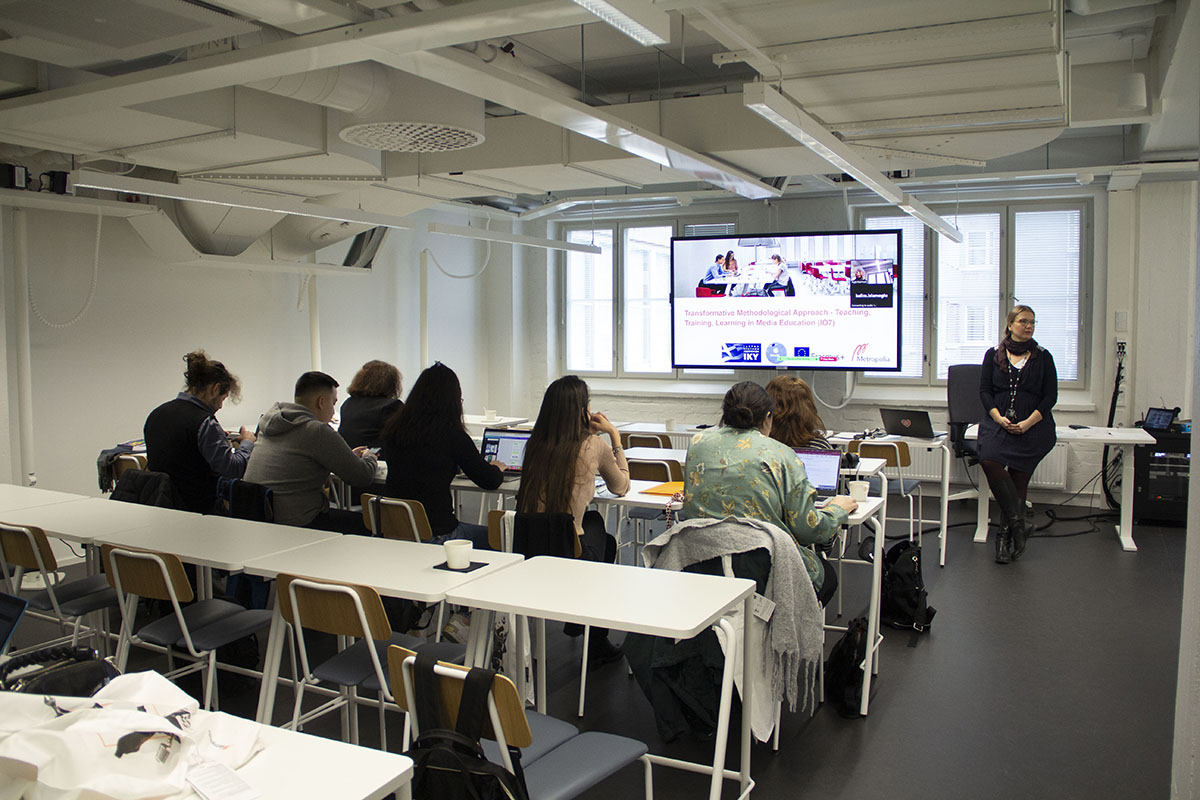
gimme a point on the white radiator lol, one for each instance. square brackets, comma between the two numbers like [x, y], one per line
[927, 466]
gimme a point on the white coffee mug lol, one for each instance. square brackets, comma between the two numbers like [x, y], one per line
[489, 414]
[670, 424]
[458, 553]
[859, 490]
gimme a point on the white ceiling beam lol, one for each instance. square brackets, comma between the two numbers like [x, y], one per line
[256, 199]
[467, 73]
[732, 35]
[511, 238]
[786, 114]
[441, 27]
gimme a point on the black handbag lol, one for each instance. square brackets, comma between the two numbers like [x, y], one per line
[69, 671]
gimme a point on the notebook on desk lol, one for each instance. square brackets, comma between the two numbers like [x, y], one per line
[903, 422]
[507, 446]
[823, 468]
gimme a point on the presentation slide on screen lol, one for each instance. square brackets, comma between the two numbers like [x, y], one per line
[806, 301]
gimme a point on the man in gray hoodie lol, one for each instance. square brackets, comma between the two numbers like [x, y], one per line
[296, 451]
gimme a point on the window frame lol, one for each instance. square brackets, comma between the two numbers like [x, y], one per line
[1005, 295]
[619, 226]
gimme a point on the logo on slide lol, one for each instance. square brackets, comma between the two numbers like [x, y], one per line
[741, 352]
[777, 353]
[859, 351]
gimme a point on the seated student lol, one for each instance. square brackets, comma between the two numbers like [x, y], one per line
[795, 420]
[714, 279]
[736, 470]
[184, 439]
[425, 444]
[789, 288]
[297, 450]
[374, 398]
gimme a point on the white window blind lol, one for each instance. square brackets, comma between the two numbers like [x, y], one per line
[912, 293]
[646, 281]
[968, 280]
[589, 301]
[1046, 278]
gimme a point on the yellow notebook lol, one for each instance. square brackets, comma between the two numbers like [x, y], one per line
[669, 488]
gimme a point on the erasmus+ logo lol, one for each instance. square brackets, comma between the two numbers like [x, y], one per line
[739, 352]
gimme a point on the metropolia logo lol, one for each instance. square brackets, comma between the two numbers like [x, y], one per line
[859, 351]
[741, 352]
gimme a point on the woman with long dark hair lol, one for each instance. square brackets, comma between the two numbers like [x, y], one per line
[425, 444]
[1018, 388]
[795, 420]
[737, 470]
[562, 458]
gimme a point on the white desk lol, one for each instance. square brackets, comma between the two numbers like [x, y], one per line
[480, 421]
[14, 497]
[297, 766]
[1124, 438]
[680, 436]
[866, 466]
[655, 602]
[84, 519]
[392, 567]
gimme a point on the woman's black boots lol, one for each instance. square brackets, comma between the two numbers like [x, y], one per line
[1004, 544]
[1015, 530]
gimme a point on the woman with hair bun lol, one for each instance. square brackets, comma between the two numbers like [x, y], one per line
[184, 439]
[737, 470]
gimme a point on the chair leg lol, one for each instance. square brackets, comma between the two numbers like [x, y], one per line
[296, 726]
[587, 636]
[406, 734]
[441, 621]
[382, 723]
[353, 706]
[210, 678]
[778, 723]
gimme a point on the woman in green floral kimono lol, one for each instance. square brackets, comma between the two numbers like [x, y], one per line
[736, 470]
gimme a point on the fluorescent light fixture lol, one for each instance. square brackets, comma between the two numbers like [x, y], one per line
[1131, 92]
[510, 238]
[231, 197]
[784, 114]
[635, 18]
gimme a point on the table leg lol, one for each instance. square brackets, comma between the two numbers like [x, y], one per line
[541, 666]
[981, 512]
[519, 642]
[749, 667]
[1125, 529]
[945, 503]
[871, 662]
[270, 677]
[723, 713]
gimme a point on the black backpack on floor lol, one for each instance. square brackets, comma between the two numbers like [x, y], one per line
[843, 669]
[450, 764]
[903, 601]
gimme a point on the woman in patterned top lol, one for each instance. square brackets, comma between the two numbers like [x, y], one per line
[737, 470]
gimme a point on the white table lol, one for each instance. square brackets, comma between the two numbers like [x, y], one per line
[84, 519]
[298, 766]
[938, 443]
[680, 435]
[14, 497]
[655, 602]
[866, 466]
[480, 421]
[1124, 438]
[390, 566]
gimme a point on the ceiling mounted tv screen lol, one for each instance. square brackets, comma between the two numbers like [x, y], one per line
[787, 300]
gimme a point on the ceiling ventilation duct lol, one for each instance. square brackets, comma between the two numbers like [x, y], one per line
[387, 109]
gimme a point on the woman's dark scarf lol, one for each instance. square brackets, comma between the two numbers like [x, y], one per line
[1007, 345]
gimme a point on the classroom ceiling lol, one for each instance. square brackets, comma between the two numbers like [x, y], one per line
[514, 103]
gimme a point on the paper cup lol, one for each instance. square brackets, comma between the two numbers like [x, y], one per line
[489, 414]
[458, 553]
[670, 424]
[859, 490]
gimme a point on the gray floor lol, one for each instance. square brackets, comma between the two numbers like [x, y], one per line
[1051, 677]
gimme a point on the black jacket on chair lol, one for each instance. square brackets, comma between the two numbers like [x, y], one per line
[146, 488]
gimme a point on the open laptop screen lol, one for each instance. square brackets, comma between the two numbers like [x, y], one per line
[823, 468]
[506, 446]
[1159, 419]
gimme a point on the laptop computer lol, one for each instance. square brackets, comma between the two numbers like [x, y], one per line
[505, 445]
[11, 610]
[1159, 419]
[824, 470]
[905, 422]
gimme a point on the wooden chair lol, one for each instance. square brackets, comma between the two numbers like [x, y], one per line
[645, 440]
[349, 612]
[201, 628]
[127, 461]
[393, 518]
[26, 549]
[557, 760]
[896, 456]
[660, 472]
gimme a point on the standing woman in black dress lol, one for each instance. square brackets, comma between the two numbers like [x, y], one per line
[1018, 388]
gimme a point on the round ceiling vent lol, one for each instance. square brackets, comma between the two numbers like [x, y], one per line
[410, 137]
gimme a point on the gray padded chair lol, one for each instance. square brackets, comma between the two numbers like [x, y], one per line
[558, 761]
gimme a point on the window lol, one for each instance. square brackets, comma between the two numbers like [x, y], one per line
[617, 304]
[1029, 253]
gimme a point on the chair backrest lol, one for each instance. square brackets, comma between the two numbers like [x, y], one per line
[26, 547]
[962, 398]
[127, 461]
[894, 454]
[392, 518]
[146, 573]
[510, 711]
[502, 533]
[247, 500]
[645, 440]
[147, 488]
[662, 471]
[330, 607]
